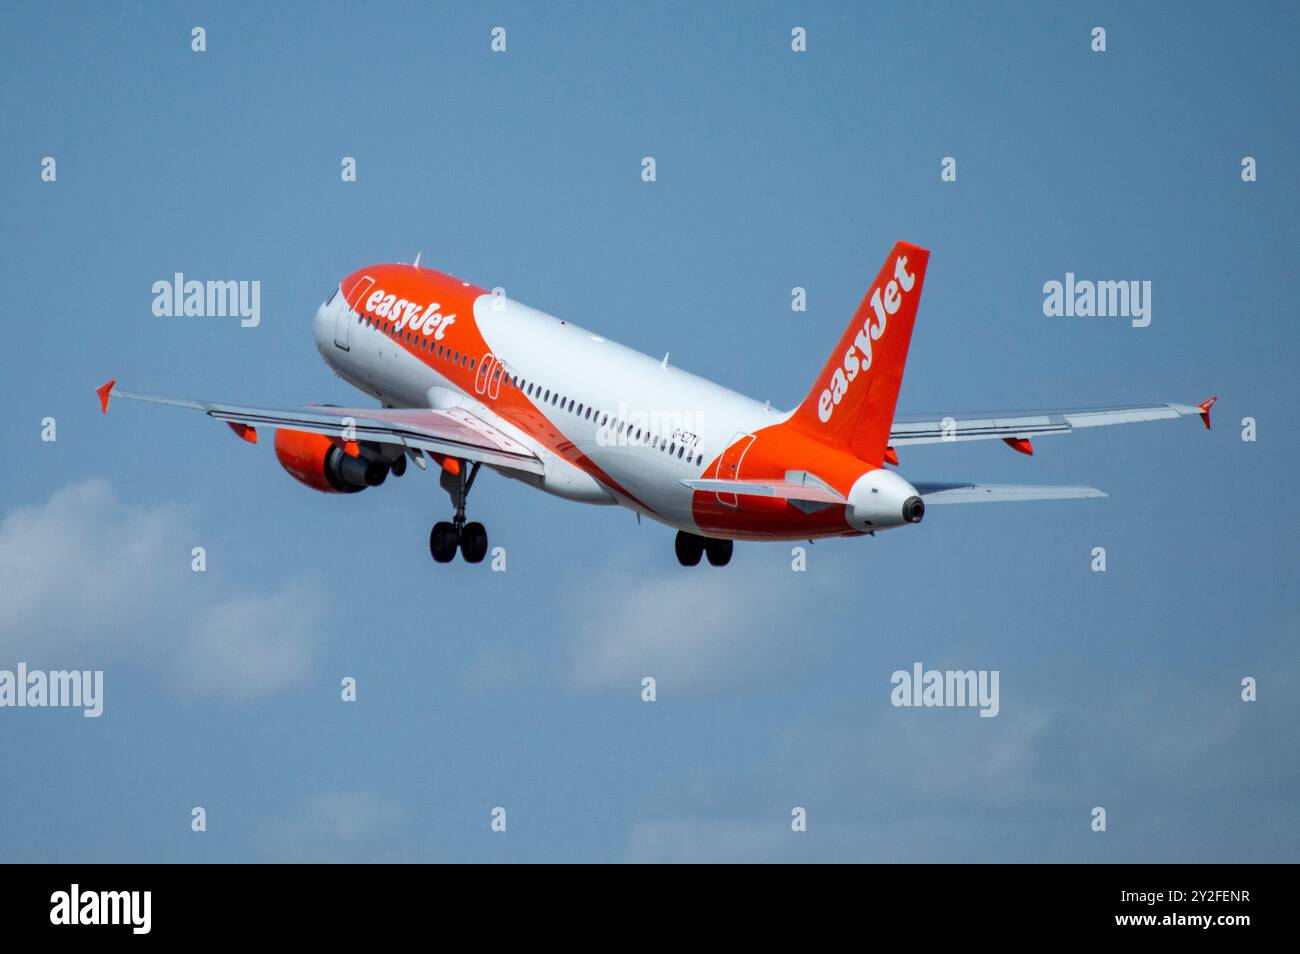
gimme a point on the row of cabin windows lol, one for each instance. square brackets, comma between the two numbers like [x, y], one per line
[420, 342]
[588, 413]
[533, 390]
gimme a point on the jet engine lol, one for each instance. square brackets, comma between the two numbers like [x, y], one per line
[327, 464]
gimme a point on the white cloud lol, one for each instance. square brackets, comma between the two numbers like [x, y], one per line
[697, 628]
[1171, 762]
[336, 827]
[91, 582]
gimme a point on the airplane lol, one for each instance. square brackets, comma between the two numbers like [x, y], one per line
[467, 378]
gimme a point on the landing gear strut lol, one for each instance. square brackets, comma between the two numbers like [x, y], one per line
[691, 547]
[470, 538]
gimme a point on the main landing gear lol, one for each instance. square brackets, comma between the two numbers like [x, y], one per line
[470, 538]
[691, 547]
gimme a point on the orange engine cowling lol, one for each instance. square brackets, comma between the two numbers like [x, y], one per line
[322, 463]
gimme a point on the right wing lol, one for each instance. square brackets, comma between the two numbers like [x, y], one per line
[1020, 426]
[454, 432]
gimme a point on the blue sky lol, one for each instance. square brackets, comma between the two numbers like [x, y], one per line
[522, 689]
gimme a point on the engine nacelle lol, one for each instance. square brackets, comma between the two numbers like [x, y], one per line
[880, 499]
[322, 463]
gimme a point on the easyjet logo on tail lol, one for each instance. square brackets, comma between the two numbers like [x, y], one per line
[421, 320]
[857, 357]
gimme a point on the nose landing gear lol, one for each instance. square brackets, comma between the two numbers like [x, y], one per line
[470, 538]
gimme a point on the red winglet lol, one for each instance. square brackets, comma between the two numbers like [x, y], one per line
[104, 391]
[1019, 444]
[891, 456]
[1205, 410]
[243, 430]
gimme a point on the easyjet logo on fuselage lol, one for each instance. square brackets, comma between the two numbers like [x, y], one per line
[427, 319]
[857, 357]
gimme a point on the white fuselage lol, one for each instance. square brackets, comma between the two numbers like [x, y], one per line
[679, 423]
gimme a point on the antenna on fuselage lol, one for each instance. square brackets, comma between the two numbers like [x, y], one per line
[665, 364]
[416, 263]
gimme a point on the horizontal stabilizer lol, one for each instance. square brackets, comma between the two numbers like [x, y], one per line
[787, 489]
[934, 493]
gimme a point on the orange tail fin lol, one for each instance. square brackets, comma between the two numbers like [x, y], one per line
[851, 406]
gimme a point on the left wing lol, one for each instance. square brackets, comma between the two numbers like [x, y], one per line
[454, 433]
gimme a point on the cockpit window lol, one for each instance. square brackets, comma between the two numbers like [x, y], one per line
[334, 294]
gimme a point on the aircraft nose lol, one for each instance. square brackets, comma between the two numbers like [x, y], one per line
[320, 326]
[323, 323]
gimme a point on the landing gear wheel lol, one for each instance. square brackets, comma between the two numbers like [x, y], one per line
[473, 542]
[689, 548]
[719, 551]
[398, 467]
[442, 542]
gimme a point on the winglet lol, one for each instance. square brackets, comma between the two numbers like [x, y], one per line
[1205, 410]
[104, 391]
